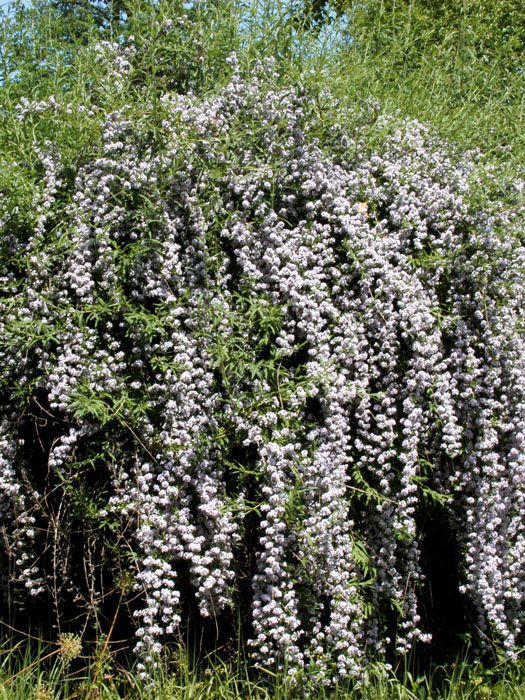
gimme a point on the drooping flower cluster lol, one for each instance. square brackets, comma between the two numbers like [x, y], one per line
[266, 338]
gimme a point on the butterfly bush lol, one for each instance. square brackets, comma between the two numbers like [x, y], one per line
[276, 349]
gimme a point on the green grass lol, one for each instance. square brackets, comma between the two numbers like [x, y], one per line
[36, 671]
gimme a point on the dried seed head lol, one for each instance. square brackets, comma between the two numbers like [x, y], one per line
[43, 691]
[70, 646]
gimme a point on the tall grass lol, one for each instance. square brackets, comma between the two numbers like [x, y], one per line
[39, 672]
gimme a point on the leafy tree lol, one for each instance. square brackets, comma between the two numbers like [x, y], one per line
[102, 12]
[494, 30]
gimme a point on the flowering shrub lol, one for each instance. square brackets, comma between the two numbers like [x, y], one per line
[242, 345]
